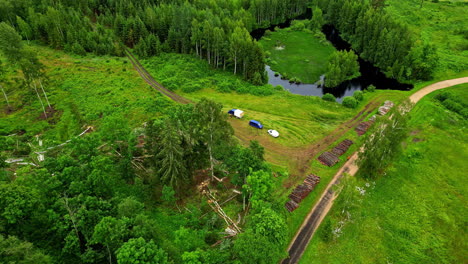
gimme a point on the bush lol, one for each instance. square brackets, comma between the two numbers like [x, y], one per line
[358, 96]
[371, 88]
[349, 102]
[329, 97]
[297, 25]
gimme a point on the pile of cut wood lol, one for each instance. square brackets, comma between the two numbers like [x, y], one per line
[328, 158]
[342, 147]
[301, 192]
[362, 128]
[383, 110]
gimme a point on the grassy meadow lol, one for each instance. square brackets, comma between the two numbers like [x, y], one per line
[82, 90]
[301, 54]
[442, 23]
[416, 212]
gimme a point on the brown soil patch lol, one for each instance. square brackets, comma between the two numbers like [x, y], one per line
[415, 132]
[50, 113]
[418, 139]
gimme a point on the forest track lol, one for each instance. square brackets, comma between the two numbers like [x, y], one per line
[313, 220]
[152, 82]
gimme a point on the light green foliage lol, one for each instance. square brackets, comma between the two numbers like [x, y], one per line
[413, 213]
[129, 207]
[329, 97]
[254, 248]
[358, 95]
[317, 20]
[270, 224]
[193, 257]
[259, 184]
[10, 43]
[349, 102]
[303, 56]
[383, 144]
[441, 24]
[16, 203]
[371, 88]
[188, 239]
[111, 232]
[343, 66]
[298, 25]
[137, 250]
[14, 250]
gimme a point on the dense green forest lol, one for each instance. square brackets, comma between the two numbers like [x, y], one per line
[217, 31]
[98, 167]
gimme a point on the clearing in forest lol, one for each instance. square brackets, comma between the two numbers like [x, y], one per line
[297, 54]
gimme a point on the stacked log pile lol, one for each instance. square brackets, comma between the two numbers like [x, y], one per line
[362, 128]
[342, 147]
[383, 110]
[301, 191]
[328, 158]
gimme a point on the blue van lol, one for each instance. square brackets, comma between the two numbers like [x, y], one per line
[255, 124]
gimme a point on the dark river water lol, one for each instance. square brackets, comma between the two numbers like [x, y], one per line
[369, 73]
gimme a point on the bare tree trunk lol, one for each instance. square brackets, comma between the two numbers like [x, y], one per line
[235, 65]
[40, 99]
[110, 255]
[6, 97]
[45, 95]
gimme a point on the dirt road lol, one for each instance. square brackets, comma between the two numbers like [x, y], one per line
[322, 207]
[152, 82]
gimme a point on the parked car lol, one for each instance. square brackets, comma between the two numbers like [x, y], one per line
[273, 133]
[256, 124]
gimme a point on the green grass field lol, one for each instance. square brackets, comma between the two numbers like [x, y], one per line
[416, 213]
[82, 90]
[303, 56]
[442, 23]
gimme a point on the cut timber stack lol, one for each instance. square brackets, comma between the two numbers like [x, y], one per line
[329, 159]
[301, 192]
[342, 147]
[363, 127]
[291, 205]
[383, 110]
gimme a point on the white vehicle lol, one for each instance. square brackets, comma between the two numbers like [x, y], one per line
[273, 133]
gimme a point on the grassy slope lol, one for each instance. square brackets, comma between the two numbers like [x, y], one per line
[442, 24]
[96, 86]
[304, 56]
[416, 213]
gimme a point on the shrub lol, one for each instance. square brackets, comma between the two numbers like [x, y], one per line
[191, 87]
[276, 74]
[349, 102]
[329, 97]
[371, 88]
[297, 25]
[358, 96]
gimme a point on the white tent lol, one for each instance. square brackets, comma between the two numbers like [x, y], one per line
[238, 113]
